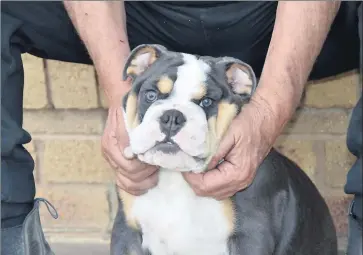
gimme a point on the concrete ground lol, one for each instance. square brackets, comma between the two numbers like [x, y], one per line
[103, 249]
[80, 249]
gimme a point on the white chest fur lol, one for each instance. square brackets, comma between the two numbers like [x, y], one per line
[175, 221]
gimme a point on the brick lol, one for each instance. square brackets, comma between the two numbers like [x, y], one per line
[72, 85]
[300, 151]
[313, 121]
[78, 206]
[64, 122]
[339, 91]
[35, 92]
[338, 206]
[67, 161]
[338, 160]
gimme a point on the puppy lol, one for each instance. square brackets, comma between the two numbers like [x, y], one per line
[176, 114]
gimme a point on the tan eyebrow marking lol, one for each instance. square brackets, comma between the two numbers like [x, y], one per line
[165, 85]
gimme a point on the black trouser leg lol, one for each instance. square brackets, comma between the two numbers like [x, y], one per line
[354, 181]
[42, 29]
[354, 184]
[17, 183]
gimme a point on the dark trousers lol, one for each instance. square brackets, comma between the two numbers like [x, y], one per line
[239, 29]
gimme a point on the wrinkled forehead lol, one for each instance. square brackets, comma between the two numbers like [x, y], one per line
[184, 77]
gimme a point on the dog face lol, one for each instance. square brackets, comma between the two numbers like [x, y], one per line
[180, 105]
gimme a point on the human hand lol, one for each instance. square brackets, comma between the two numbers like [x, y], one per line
[244, 146]
[133, 176]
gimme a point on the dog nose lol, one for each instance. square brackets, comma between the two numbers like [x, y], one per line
[171, 122]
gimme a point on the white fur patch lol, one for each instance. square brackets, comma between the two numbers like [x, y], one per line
[175, 221]
[189, 77]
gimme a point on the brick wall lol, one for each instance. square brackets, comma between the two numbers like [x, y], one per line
[65, 111]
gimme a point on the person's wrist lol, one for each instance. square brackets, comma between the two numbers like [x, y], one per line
[114, 91]
[268, 120]
[277, 106]
[109, 73]
[115, 99]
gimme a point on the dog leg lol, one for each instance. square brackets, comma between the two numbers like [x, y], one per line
[249, 244]
[125, 240]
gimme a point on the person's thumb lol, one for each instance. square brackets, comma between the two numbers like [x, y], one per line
[224, 148]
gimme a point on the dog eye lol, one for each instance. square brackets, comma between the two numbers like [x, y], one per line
[206, 102]
[151, 96]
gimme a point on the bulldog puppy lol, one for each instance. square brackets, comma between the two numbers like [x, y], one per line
[176, 114]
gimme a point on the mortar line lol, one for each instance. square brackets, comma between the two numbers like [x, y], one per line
[37, 162]
[309, 137]
[100, 108]
[50, 104]
[92, 230]
[70, 110]
[40, 159]
[312, 137]
[317, 110]
[334, 77]
[333, 192]
[48, 137]
[79, 184]
[99, 103]
[320, 174]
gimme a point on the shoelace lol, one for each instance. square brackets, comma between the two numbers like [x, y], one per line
[51, 209]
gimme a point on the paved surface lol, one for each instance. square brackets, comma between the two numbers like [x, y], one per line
[80, 249]
[87, 249]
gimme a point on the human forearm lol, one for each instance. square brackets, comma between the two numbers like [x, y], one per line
[102, 27]
[299, 33]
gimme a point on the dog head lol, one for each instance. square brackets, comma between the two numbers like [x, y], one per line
[180, 105]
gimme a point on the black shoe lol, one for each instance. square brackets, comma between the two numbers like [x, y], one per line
[28, 238]
[355, 233]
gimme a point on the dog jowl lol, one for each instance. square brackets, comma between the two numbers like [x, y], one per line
[181, 105]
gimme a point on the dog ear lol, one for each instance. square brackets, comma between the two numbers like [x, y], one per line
[240, 76]
[141, 58]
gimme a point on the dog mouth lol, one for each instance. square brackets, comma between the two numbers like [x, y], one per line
[167, 146]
